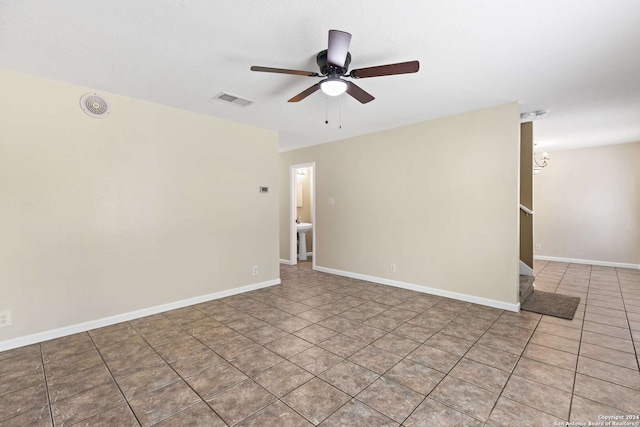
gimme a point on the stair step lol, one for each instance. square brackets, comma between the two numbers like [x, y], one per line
[526, 287]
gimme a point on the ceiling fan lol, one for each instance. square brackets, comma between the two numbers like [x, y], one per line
[334, 64]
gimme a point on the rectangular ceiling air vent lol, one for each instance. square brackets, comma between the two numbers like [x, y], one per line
[232, 99]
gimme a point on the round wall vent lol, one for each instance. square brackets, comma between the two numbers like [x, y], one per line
[94, 105]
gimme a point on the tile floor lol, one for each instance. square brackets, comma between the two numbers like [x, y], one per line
[331, 351]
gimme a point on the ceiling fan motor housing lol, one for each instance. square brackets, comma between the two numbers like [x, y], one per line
[327, 69]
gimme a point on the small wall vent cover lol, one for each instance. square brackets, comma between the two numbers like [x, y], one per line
[232, 99]
[95, 106]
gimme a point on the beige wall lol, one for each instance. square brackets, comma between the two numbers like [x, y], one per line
[148, 206]
[439, 199]
[587, 204]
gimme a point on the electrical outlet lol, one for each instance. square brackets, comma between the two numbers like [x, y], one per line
[255, 270]
[393, 268]
[538, 246]
[5, 318]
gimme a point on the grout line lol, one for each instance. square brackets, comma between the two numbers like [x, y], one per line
[46, 384]
[575, 373]
[633, 343]
[113, 378]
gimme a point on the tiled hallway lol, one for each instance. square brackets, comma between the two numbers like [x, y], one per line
[328, 350]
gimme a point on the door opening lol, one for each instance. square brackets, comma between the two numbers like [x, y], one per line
[302, 216]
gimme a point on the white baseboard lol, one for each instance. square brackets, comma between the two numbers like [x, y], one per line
[424, 289]
[288, 262]
[588, 261]
[111, 320]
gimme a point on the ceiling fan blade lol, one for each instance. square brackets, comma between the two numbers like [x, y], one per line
[284, 71]
[386, 70]
[338, 47]
[358, 93]
[302, 95]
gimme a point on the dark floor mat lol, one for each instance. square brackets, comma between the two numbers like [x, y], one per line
[557, 305]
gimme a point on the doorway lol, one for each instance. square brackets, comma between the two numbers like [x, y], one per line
[302, 209]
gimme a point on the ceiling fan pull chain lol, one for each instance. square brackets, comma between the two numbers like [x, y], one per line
[340, 108]
[326, 110]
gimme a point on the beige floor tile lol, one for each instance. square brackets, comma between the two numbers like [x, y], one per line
[391, 399]
[233, 347]
[603, 311]
[315, 333]
[355, 413]
[464, 397]
[612, 331]
[342, 345]
[215, 379]
[375, 359]
[34, 375]
[125, 348]
[560, 331]
[587, 411]
[195, 362]
[266, 334]
[61, 367]
[364, 333]
[608, 372]
[606, 320]
[449, 343]
[434, 413]
[608, 341]
[503, 342]
[492, 357]
[239, 401]
[146, 381]
[316, 360]
[605, 354]
[276, 414]
[396, 344]
[576, 323]
[383, 322]
[539, 396]
[199, 414]
[349, 377]
[282, 378]
[434, 358]
[556, 342]
[414, 332]
[86, 404]
[509, 331]
[551, 356]
[415, 376]
[546, 374]
[509, 413]
[120, 416]
[255, 361]
[288, 346]
[479, 374]
[607, 393]
[316, 400]
[181, 348]
[23, 401]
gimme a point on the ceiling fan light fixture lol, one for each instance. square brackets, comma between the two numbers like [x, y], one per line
[333, 87]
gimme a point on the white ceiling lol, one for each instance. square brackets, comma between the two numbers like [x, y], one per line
[580, 59]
